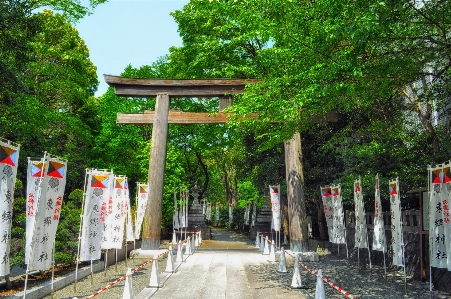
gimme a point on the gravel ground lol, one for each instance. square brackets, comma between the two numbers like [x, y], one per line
[363, 284]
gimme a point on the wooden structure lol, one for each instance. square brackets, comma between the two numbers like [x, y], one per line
[163, 90]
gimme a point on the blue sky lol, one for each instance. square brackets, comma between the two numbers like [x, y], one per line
[122, 32]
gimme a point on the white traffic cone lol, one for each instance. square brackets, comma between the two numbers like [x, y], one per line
[266, 250]
[257, 240]
[296, 282]
[272, 254]
[174, 238]
[170, 263]
[320, 293]
[154, 279]
[283, 262]
[188, 248]
[262, 242]
[128, 288]
[179, 257]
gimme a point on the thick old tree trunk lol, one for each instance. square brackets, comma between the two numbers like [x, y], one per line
[296, 195]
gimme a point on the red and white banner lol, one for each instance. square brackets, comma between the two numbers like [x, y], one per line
[47, 214]
[143, 193]
[446, 187]
[98, 191]
[9, 158]
[361, 233]
[338, 227]
[35, 176]
[396, 224]
[326, 196]
[379, 240]
[275, 206]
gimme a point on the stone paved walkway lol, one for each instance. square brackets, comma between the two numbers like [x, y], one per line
[229, 266]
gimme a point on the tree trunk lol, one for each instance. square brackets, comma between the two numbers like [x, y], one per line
[296, 195]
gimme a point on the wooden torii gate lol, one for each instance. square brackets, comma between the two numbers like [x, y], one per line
[165, 89]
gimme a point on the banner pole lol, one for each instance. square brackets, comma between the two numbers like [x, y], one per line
[92, 279]
[116, 259]
[429, 236]
[385, 268]
[53, 268]
[106, 260]
[77, 260]
[358, 257]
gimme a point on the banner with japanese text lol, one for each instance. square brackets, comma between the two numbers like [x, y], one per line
[98, 191]
[246, 213]
[9, 157]
[217, 212]
[129, 236]
[326, 196]
[254, 214]
[275, 206]
[338, 226]
[35, 175]
[379, 240]
[361, 233]
[396, 224]
[48, 214]
[143, 191]
[437, 237]
[446, 187]
[208, 212]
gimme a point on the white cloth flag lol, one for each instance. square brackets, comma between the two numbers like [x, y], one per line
[446, 187]
[175, 215]
[437, 237]
[246, 213]
[120, 213]
[379, 240]
[143, 191]
[113, 211]
[217, 212]
[9, 157]
[35, 175]
[275, 206]
[254, 215]
[230, 214]
[208, 212]
[326, 196]
[97, 188]
[339, 231]
[129, 236]
[361, 233]
[47, 214]
[396, 225]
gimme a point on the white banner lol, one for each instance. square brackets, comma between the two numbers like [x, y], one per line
[94, 212]
[143, 191]
[9, 157]
[175, 215]
[47, 214]
[361, 233]
[129, 236]
[326, 196]
[338, 230]
[35, 175]
[275, 206]
[437, 235]
[119, 211]
[230, 215]
[396, 225]
[217, 212]
[246, 213]
[208, 212]
[446, 187]
[379, 240]
[254, 215]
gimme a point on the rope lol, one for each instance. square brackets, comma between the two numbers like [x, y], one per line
[328, 281]
[111, 284]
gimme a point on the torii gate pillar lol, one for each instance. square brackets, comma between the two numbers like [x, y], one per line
[157, 165]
